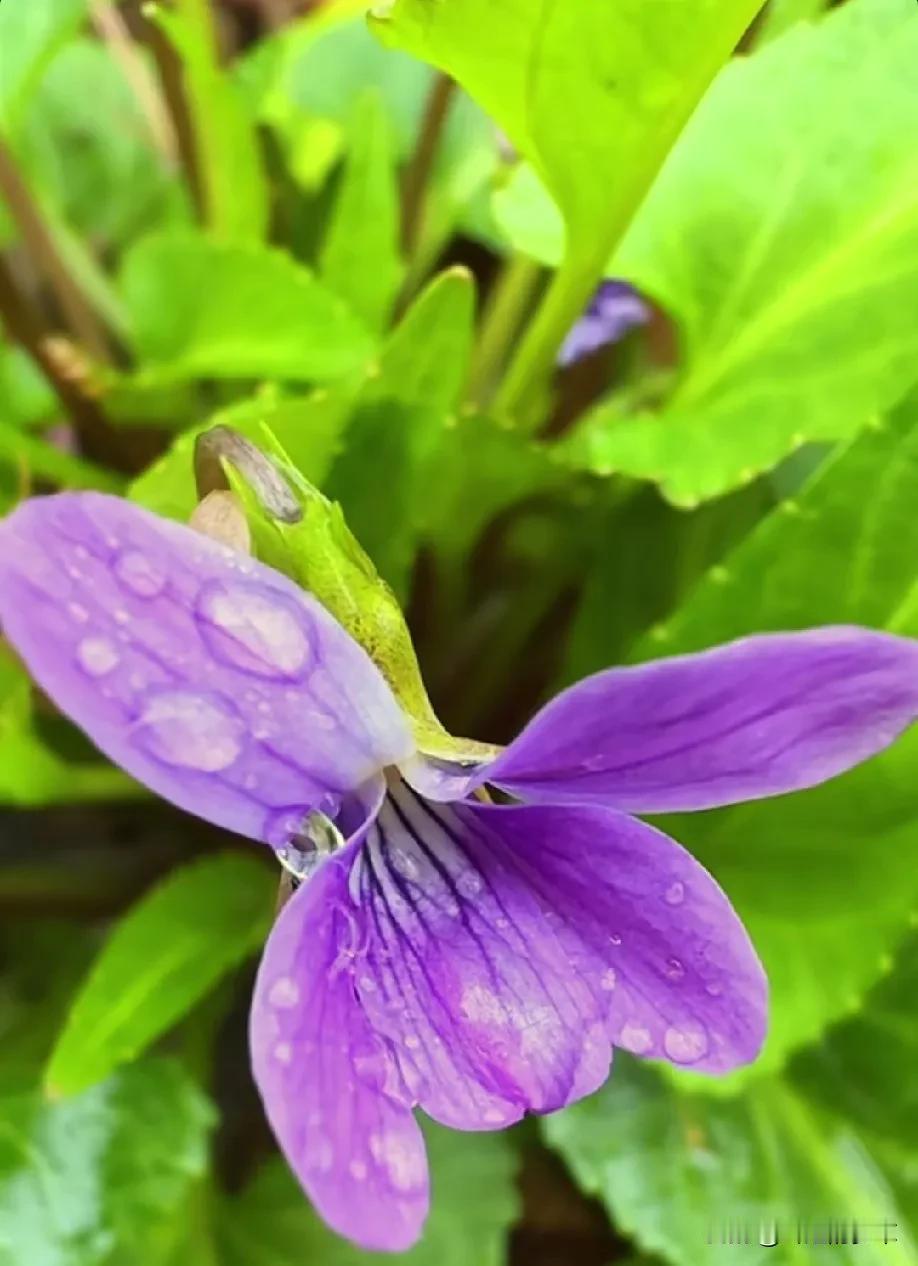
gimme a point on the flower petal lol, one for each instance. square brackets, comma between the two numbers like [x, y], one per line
[644, 925]
[757, 717]
[206, 675]
[465, 974]
[331, 1087]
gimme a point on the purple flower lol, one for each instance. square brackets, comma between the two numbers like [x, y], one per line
[475, 959]
[614, 309]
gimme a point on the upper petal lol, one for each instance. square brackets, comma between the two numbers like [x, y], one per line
[331, 1087]
[207, 676]
[754, 718]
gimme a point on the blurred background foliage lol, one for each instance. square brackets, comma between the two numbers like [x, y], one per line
[373, 238]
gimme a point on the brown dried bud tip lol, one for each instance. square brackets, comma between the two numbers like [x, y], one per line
[222, 444]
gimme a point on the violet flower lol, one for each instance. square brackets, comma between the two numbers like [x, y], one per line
[615, 309]
[478, 960]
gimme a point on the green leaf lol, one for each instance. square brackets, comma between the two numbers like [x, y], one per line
[30, 35]
[87, 148]
[360, 258]
[825, 880]
[591, 95]
[161, 959]
[99, 1180]
[675, 1169]
[783, 14]
[864, 1065]
[207, 309]
[783, 233]
[474, 1205]
[226, 143]
[398, 423]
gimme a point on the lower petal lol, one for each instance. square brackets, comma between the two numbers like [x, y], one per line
[644, 924]
[466, 973]
[332, 1090]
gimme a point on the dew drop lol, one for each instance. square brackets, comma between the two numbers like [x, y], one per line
[469, 883]
[79, 613]
[284, 994]
[140, 574]
[674, 969]
[97, 656]
[283, 1053]
[404, 863]
[358, 1170]
[614, 939]
[412, 1041]
[635, 1038]
[191, 731]
[674, 894]
[686, 1044]
[714, 989]
[253, 628]
[609, 979]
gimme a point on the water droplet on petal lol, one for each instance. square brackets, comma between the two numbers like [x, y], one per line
[635, 1038]
[404, 863]
[469, 883]
[685, 1044]
[302, 838]
[79, 612]
[255, 629]
[97, 656]
[615, 939]
[284, 993]
[140, 574]
[674, 969]
[609, 979]
[674, 894]
[714, 989]
[191, 731]
[283, 1053]
[358, 1170]
[412, 1041]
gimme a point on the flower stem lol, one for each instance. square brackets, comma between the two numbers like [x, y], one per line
[111, 26]
[501, 320]
[75, 309]
[531, 368]
[24, 325]
[417, 173]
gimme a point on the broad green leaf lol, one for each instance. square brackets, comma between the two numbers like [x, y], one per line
[360, 258]
[474, 1204]
[825, 880]
[664, 553]
[783, 233]
[226, 143]
[161, 959]
[783, 14]
[30, 35]
[593, 95]
[98, 1180]
[681, 1172]
[399, 421]
[865, 1065]
[31, 774]
[87, 148]
[31, 455]
[206, 309]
